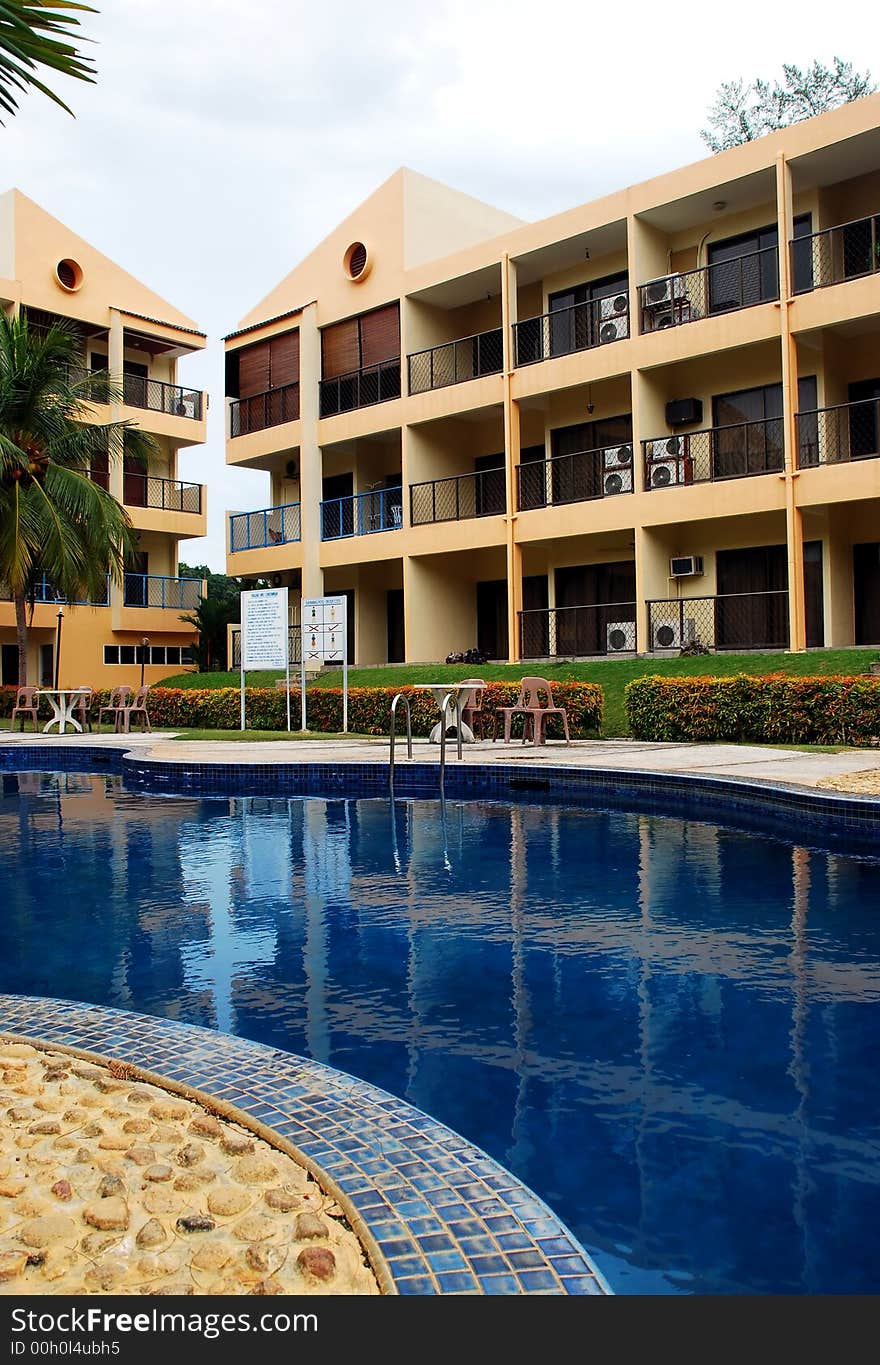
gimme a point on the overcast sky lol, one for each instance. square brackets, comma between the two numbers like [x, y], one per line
[226, 138]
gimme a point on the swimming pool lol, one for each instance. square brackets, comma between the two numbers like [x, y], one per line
[667, 1028]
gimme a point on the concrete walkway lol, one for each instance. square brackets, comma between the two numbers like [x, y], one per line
[752, 763]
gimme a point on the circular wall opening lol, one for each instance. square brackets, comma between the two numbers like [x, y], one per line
[69, 275]
[356, 261]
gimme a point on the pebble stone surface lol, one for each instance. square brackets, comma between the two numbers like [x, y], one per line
[111, 1185]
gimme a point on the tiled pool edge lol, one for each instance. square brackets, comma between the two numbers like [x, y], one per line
[443, 1215]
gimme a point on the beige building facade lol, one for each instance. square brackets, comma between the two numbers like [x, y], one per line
[649, 422]
[136, 629]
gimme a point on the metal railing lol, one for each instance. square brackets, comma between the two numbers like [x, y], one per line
[459, 498]
[262, 410]
[269, 526]
[848, 251]
[565, 632]
[362, 514]
[44, 592]
[577, 327]
[723, 287]
[742, 620]
[360, 388]
[154, 590]
[849, 431]
[399, 697]
[155, 395]
[456, 361]
[168, 495]
[294, 643]
[733, 452]
[578, 477]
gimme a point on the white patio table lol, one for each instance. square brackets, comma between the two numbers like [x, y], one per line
[459, 691]
[62, 701]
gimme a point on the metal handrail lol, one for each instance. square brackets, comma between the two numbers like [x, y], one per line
[449, 699]
[399, 697]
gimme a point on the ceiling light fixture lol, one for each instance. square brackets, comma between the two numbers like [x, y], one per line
[719, 205]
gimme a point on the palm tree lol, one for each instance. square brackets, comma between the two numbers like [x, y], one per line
[29, 38]
[54, 519]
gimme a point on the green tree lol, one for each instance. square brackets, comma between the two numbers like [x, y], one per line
[217, 610]
[742, 113]
[54, 519]
[34, 34]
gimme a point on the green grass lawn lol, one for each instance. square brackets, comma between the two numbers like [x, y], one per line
[612, 674]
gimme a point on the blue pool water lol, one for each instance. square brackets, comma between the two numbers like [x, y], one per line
[669, 1029]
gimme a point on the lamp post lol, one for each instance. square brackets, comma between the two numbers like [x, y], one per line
[60, 618]
[145, 645]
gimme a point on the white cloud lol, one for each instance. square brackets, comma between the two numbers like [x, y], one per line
[223, 140]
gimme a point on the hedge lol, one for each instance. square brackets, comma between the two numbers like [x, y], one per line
[774, 709]
[369, 708]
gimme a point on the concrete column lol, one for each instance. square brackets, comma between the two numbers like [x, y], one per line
[310, 471]
[794, 525]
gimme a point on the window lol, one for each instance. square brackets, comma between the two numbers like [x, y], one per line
[575, 318]
[263, 366]
[361, 356]
[578, 467]
[743, 270]
[748, 429]
[111, 654]
[127, 654]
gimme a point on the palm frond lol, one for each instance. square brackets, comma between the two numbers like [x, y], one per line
[34, 34]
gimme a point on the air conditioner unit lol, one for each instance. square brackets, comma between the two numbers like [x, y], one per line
[620, 636]
[665, 447]
[664, 290]
[614, 318]
[614, 306]
[669, 634]
[617, 457]
[666, 461]
[614, 329]
[617, 463]
[685, 566]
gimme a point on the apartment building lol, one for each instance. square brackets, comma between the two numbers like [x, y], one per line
[649, 421]
[136, 629]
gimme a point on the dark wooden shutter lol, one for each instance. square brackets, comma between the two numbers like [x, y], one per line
[284, 360]
[380, 335]
[340, 350]
[253, 369]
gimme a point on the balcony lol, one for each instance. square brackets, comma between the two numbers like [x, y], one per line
[363, 514]
[456, 362]
[578, 327]
[166, 495]
[263, 410]
[156, 396]
[724, 287]
[579, 632]
[847, 252]
[850, 431]
[270, 526]
[44, 592]
[580, 477]
[733, 452]
[152, 590]
[742, 620]
[360, 388]
[459, 498]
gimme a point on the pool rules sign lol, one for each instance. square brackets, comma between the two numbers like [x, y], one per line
[325, 640]
[264, 636]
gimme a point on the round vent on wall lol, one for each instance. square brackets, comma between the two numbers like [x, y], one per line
[356, 261]
[69, 275]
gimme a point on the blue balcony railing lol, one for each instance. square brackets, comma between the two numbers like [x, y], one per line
[44, 592]
[269, 526]
[152, 590]
[363, 514]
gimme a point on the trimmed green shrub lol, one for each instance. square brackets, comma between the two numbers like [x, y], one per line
[775, 709]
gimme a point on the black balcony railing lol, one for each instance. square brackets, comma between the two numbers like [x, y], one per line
[741, 620]
[459, 498]
[154, 590]
[846, 252]
[360, 388]
[733, 452]
[269, 526]
[263, 410]
[722, 287]
[850, 431]
[294, 644]
[578, 477]
[156, 396]
[167, 495]
[456, 361]
[575, 328]
[578, 632]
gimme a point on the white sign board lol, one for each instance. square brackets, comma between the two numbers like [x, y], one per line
[325, 640]
[264, 636]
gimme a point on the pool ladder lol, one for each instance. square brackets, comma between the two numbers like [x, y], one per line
[448, 701]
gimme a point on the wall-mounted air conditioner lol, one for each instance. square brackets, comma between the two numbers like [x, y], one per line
[666, 461]
[685, 566]
[670, 635]
[663, 291]
[620, 636]
[614, 318]
[617, 464]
